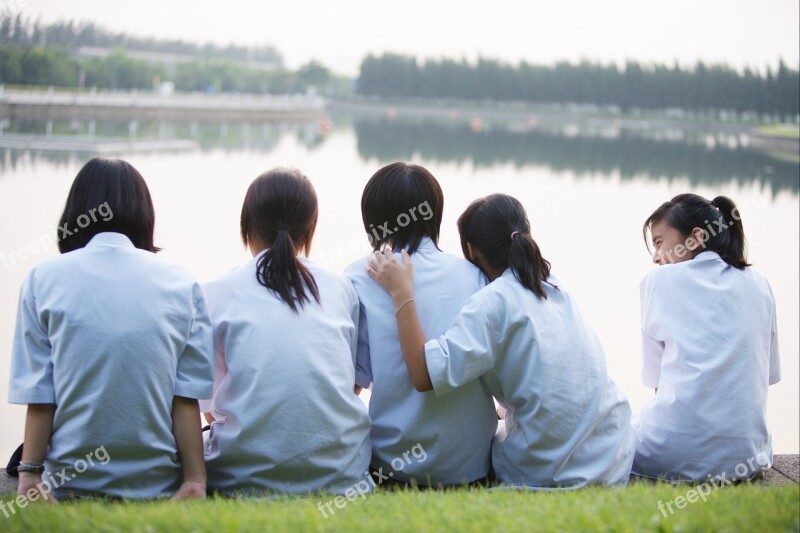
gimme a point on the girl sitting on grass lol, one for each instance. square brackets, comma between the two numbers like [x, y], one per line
[709, 344]
[567, 424]
[112, 351]
[284, 415]
[455, 430]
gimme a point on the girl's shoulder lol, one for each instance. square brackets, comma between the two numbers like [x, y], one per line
[329, 281]
[667, 275]
[131, 261]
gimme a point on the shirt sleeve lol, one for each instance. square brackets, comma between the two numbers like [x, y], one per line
[465, 352]
[220, 369]
[774, 355]
[31, 365]
[652, 352]
[652, 348]
[363, 361]
[195, 375]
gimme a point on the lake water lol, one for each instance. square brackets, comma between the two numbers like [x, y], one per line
[586, 189]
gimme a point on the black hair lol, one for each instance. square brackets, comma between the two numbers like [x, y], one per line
[497, 226]
[107, 195]
[719, 219]
[400, 191]
[280, 212]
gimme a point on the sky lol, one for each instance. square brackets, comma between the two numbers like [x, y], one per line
[339, 33]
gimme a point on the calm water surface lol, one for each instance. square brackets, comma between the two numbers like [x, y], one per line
[586, 193]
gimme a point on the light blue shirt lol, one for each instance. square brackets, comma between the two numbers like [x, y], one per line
[111, 334]
[287, 419]
[567, 424]
[455, 430]
[710, 345]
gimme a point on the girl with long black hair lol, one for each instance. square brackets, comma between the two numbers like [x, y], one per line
[709, 346]
[285, 416]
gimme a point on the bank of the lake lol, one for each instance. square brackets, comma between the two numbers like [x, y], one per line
[84, 105]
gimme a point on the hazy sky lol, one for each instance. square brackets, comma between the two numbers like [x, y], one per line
[341, 32]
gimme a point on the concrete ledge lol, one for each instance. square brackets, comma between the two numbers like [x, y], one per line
[784, 471]
[7, 483]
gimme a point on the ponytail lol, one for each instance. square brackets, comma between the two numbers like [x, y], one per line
[497, 226]
[526, 262]
[279, 270]
[733, 249]
[280, 212]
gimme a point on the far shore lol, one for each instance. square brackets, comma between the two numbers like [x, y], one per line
[60, 104]
[97, 105]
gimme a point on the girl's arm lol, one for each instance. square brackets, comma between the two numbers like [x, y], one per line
[186, 428]
[38, 428]
[397, 280]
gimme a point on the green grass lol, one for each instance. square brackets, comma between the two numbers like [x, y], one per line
[786, 157]
[784, 131]
[739, 508]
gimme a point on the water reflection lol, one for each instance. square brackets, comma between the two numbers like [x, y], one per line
[632, 155]
[701, 158]
[234, 136]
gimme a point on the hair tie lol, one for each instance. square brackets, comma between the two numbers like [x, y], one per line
[514, 234]
[283, 227]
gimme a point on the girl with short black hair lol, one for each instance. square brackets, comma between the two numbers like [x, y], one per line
[401, 208]
[112, 351]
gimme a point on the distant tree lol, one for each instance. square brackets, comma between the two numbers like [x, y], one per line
[701, 88]
[313, 73]
[71, 35]
[5, 31]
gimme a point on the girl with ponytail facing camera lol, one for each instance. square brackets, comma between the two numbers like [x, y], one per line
[567, 424]
[709, 347]
[284, 415]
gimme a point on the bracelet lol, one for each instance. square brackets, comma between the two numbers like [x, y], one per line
[27, 466]
[396, 311]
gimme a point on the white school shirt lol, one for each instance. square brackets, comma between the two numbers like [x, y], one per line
[287, 419]
[710, 345]
[111, 334]
[455, 430]
[567, 423]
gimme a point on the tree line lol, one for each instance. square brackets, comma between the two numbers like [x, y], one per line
[24, 32]
[45, 55]
[56, 66]
[698, 88]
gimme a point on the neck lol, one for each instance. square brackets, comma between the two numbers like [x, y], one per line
[493, 273]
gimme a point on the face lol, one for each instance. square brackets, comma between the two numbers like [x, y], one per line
[670, 246]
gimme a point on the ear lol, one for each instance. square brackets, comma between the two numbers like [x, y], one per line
[696, 239]
[472, 253]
